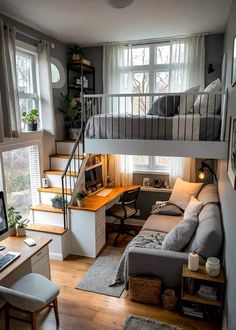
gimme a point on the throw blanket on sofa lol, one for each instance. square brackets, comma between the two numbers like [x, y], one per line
[142, 241]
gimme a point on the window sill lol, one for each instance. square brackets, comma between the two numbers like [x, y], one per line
[151, 172]
[154, 189]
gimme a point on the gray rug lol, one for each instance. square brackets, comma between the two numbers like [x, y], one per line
[141, 323]
[102, 273]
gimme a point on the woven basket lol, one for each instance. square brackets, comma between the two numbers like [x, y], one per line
[169, 299]
[145, 290]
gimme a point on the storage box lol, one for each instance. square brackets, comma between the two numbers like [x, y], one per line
[145, 290]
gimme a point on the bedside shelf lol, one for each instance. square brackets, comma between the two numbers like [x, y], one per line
[196, 299]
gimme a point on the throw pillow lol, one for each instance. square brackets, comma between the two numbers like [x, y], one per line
[166, 208]
[209, 104]
[183, 191]
[187, 101]
[180, 235]
[165, 106]
[193, 209]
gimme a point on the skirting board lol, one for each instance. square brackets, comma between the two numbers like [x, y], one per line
[196, 149]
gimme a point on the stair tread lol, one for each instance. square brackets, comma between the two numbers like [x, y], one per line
[46, 208]
[54, 190]
[46, 228]
[60, 172]
[66, 141]
[67, 156]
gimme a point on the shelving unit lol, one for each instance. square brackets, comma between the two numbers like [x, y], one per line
[77, 70]
[204, 308]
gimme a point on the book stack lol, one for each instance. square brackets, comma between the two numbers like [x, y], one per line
[207, 292]
[194, 310]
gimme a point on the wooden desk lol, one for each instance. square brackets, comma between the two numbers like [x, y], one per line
[32, 259]
[88, 223]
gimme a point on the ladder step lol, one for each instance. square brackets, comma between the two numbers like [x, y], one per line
[43, 228]
[60, 172]
[54, 190]
[46, 208]
[67, 156]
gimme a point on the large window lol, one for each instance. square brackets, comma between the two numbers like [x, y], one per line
[26, 69]
[22, 178]
[151, 164]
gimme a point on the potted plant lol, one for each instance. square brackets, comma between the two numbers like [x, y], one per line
[20, 227]
[69, 107]
[57, 202]
[31, 119]
[76, 53]
[80, 197]
[13, 216]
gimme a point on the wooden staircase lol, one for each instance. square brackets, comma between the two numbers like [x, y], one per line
[46, 219]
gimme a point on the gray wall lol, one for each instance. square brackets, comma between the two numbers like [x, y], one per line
[59, 52]
[227, 194]
[94, 54]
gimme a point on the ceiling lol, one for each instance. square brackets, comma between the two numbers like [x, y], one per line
[89, 22]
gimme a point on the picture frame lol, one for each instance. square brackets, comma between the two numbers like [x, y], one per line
[146, 182]
[3, 215]
[234, 64]
[232, 153]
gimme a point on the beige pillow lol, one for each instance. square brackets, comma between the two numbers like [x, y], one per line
[183, 191]
[209, 104]
[193, 209]
[187, 101]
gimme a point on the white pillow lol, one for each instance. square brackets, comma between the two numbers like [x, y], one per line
[183, 191]
[187, 101]
[209, 104]
[193, 209]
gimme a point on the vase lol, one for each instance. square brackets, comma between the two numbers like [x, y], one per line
[20, 232]
[12, 231]
[32, 127]
[74, 133]
[80, 202]
[213, 266]
[58, 204]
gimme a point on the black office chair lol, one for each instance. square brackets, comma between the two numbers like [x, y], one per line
[124, 210]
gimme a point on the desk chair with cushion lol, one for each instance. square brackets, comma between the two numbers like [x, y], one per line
[30, 294]
[124, 210]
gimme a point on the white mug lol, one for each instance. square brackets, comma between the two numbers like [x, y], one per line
[45, 182]
[213, 266]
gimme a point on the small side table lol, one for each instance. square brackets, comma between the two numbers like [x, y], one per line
[195, 306]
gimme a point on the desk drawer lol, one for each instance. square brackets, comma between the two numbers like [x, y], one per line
[100, 241]
[39, 255]
[100, 226]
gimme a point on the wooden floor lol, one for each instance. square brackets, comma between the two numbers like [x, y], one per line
[81, 310]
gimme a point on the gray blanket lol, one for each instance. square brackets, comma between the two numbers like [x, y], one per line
[142, 241]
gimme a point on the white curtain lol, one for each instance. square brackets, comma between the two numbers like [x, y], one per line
[10, 115]
[120, 167]
[184, 168]
[187, 63]
[45, 84]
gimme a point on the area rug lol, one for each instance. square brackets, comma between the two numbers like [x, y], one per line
[134, 322]
[102, 273]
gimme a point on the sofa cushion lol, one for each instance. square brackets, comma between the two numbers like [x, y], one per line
[208, 238]
[180, 235]
[166, 208]
[161, 223]
[194, 207]
[208, 194]
[183, 191]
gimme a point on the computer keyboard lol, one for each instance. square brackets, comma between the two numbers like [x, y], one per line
[104, 192]
[8, 259]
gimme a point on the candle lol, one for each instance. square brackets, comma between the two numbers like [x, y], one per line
[193, 261]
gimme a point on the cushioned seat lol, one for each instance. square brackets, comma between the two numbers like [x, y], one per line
[117, 211]
[161, 223]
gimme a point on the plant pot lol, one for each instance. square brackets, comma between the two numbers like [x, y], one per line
[20, 232]
[74, 133]
[12, 231]
[80, 202]
[75, 57]
[32, 127]
[58, 204]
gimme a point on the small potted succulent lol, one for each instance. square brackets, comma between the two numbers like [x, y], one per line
[81, 194]
[20, 227]
[76, 53]
[57, 202]
[31, 119]
[13, 216]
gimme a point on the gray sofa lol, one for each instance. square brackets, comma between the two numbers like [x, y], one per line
[167, 265]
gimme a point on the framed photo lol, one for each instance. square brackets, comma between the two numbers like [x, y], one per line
[146, 182]
[234, 64]
[232, 153]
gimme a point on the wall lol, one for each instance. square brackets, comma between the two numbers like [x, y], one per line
[59, 52]
[94, 54]
[226, 192]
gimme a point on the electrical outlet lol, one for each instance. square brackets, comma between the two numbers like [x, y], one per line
[137, 213]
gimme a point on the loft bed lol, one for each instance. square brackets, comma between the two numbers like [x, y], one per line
[177, 124]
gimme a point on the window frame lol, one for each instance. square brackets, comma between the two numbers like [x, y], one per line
[152, 167]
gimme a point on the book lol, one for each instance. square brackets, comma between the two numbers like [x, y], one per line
[207, 292]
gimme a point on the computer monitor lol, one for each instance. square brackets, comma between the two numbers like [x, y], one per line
[93, 179]
[3, 220]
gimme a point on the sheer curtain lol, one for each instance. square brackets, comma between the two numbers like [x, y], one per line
[45, 84]
[121, 168]
[8, 84]
[182, 167]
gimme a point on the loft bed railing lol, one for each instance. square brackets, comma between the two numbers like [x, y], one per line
[133, 116]
[71, 173]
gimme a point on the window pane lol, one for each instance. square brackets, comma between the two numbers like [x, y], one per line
[24, 70]
[140, 56]
[162, 160]
[27, 105]
[55, 73]
[162, 82]
[163, 54]
[21, 171]
[141, 160]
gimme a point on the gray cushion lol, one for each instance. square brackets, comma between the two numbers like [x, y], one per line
[207, 240]
[165, 106]
[208, 194]
[161, 223]
[166, 208]
[179, 236]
